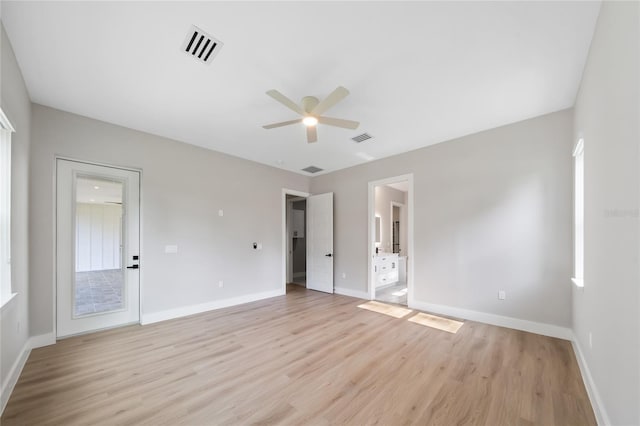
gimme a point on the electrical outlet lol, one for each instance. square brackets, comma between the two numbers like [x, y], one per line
[344, 275]
[590, 341]
[220, 212]
[220, 283]
[502, 295]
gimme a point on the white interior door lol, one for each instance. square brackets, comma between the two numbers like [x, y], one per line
[97, 247]
[320, 242]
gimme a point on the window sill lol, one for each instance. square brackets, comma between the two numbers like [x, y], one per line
[579, 282]
[7, 301]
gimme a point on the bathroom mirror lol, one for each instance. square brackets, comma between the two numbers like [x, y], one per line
[378, 229]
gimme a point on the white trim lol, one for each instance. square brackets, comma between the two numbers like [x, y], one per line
[594, 396]
[579, 282]
[579, 148]
[208, 306]
[16, 369]
[5, 123]
[285, 233]
[499, 320]
[14, 374]
[371, 227]
[351, 293]
[5, 302]
[42, 340]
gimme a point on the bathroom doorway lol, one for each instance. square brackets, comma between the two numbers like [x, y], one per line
[391, 240]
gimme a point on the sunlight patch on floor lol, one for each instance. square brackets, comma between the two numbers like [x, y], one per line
[383, 308]
[444, 324]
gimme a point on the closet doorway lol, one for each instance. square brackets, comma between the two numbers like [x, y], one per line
[296, 240]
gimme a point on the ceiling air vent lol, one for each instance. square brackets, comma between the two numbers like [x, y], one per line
[361, 138]
[312, 169]
[201, 45]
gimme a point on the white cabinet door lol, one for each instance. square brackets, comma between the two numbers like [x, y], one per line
[320, 242]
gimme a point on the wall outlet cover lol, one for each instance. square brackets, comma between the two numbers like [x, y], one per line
[170, 249]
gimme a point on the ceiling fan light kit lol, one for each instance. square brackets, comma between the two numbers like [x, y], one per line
[311, 110]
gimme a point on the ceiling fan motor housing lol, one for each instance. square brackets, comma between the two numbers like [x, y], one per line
[309, 103]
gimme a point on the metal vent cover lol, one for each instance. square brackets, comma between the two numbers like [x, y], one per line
[312, 169]
[200, 45]
[361, 138]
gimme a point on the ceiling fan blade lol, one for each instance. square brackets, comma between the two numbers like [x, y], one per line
[339, 122]
[312, 134]
[285, 101]
[284, 123]
[333, 98]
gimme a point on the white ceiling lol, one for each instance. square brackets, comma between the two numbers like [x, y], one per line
[419, 72]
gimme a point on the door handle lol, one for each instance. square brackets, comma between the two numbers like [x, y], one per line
[133, 267]
[328, 255]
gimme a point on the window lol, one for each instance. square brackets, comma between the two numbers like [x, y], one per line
[578, 214]
[5, 209]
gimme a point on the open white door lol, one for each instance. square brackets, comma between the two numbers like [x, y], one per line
[98, 237]
[320, 242]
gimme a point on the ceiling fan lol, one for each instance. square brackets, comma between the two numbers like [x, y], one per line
[311, 111]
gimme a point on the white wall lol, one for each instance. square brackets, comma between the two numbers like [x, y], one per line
[98, 235]
[183, 187]
[607, 115]
[14, 320]
[492, 212]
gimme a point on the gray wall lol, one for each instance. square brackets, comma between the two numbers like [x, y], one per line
[183, 187]
[607, 115]
[492, 211]
[14, 327]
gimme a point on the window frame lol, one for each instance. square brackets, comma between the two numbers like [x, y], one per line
[6, 130]
[578, 214]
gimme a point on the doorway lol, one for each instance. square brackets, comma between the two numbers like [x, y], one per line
[97, 247]
[314, 225]
[391, 240]
[296, 240]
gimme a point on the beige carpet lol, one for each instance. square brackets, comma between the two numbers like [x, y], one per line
[383, 308]
[444, 324]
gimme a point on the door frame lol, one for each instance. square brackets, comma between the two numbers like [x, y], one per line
[371, 234]
[285, 232]
[54, 280]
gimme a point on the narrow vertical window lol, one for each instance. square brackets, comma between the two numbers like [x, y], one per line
[5, 209]
[578, 214]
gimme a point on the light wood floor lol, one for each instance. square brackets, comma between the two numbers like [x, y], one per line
[304, 358]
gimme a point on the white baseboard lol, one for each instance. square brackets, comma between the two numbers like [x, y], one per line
[204, 307]
[594, 396]
[499, 320]
[14, 374]
[18, 365]
[351, 293]
[42, 340]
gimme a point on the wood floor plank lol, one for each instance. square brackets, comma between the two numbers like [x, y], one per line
[304, 358]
